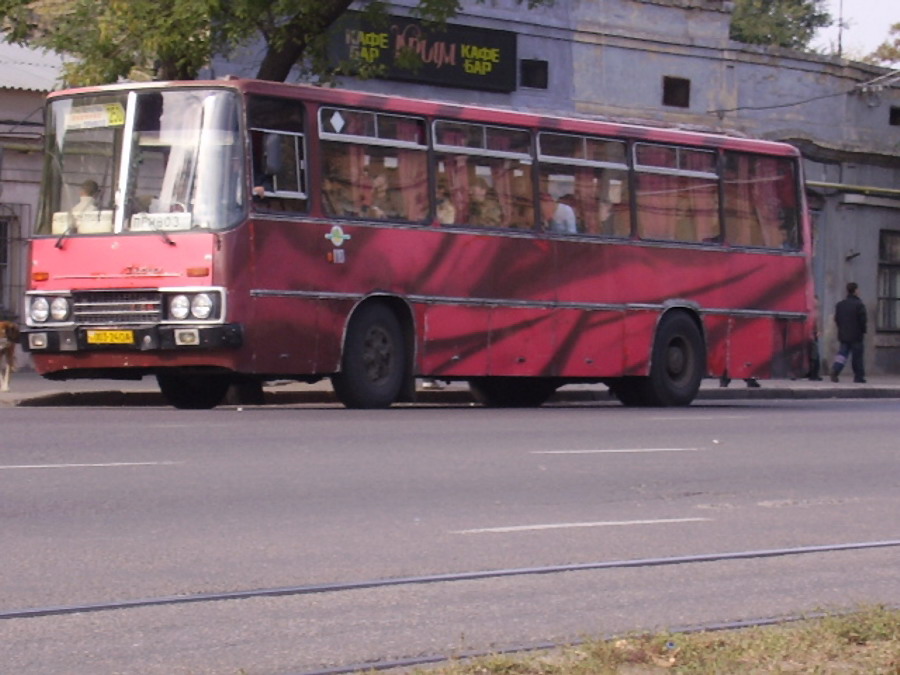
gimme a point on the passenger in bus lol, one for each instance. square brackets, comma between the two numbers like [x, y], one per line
[87, 198]
[262, 183]
[572, 202]
[445, 211]
[336, 197]
[607, 217]
[484, 207]
[381, 202]
[556, 216]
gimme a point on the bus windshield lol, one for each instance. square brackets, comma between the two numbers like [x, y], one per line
[143, 161]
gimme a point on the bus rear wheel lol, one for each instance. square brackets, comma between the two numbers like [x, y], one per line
[193, 391]
[374, 361]
[512, 392]
[679, 362]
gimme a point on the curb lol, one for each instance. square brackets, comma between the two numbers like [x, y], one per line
[116, 398]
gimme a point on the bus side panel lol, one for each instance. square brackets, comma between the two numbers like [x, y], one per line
[332, 321]
[752, 347]
[795, 344]
[757, 347]
[522, 342]
[640, 329]
[455, 340]
[590, 343]
[717, 332]
[284, 335]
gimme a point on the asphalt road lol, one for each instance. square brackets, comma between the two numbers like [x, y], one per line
[125, 505]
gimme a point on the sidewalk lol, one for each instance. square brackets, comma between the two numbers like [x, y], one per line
[29, 389]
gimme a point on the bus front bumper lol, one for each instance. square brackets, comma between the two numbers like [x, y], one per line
[144, 338]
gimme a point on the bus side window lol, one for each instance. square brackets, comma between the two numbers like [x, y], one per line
[484, 192]
[589, 174]
[337, 183]
[761, 202]
[278, 160]
[406, 186]
[677, 193]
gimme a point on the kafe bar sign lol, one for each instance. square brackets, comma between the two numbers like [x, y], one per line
[407, 49]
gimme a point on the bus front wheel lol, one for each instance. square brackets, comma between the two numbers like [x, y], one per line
[193, 392]
[373, 363]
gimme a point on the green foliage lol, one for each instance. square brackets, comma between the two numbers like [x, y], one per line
[778, 23]
[888, 52]
[174, 39]
[867, 641]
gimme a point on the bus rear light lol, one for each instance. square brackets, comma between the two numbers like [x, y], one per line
[197, 271]
[40, 276]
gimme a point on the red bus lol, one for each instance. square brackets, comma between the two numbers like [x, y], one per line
[233, 232]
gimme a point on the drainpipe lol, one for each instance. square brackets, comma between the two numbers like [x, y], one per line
[844, 187]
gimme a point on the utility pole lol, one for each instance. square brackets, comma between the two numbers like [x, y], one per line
[841, 29]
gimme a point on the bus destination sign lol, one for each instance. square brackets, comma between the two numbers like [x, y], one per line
[408, 49]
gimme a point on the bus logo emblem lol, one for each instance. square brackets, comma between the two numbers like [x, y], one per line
[337, 236]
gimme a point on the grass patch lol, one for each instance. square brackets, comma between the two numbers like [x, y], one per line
[867, 641]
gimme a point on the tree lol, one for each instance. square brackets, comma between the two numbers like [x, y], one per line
[888, 52]
[174, 39]
[110, 39]
[778, 23]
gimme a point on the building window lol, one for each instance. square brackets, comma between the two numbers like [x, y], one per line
[5, 245]
[895, 116]
[676, 92]
[889, 281]
[534, 73]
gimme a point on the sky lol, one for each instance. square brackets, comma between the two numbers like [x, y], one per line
[866, 25]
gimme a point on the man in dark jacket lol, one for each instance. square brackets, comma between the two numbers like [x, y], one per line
[850, 317]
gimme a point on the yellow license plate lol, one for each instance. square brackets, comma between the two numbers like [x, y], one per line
[110, 337]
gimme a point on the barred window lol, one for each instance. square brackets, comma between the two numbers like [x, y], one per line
[889, 281]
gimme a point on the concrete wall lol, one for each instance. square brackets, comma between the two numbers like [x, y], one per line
[21, 131]
[608, 58]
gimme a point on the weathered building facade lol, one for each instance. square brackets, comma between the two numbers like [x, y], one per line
[667, 62]
[672, 62]
[25, 77]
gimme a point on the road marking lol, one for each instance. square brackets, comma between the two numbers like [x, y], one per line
[84, 466]
[563, 526]
[612, 451]
[699, 418]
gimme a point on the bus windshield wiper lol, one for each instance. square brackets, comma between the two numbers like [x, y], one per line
[69, 230]
[162, 233]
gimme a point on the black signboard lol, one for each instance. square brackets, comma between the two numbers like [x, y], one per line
[407, 49]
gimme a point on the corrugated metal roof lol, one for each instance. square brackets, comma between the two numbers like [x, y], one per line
[28, 69]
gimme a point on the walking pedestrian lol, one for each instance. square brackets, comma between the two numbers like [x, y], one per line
[850, 317]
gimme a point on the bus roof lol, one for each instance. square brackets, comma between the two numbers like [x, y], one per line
[475, 114]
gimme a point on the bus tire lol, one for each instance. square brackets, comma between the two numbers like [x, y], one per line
[374, 360]
[678, 362]
[630, 391]
[193, 392]
[512, 392]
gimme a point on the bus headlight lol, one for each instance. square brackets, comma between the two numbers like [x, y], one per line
[179, 307]
[201, 306]
[39, 310]
[190, 305]
[59, 309]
